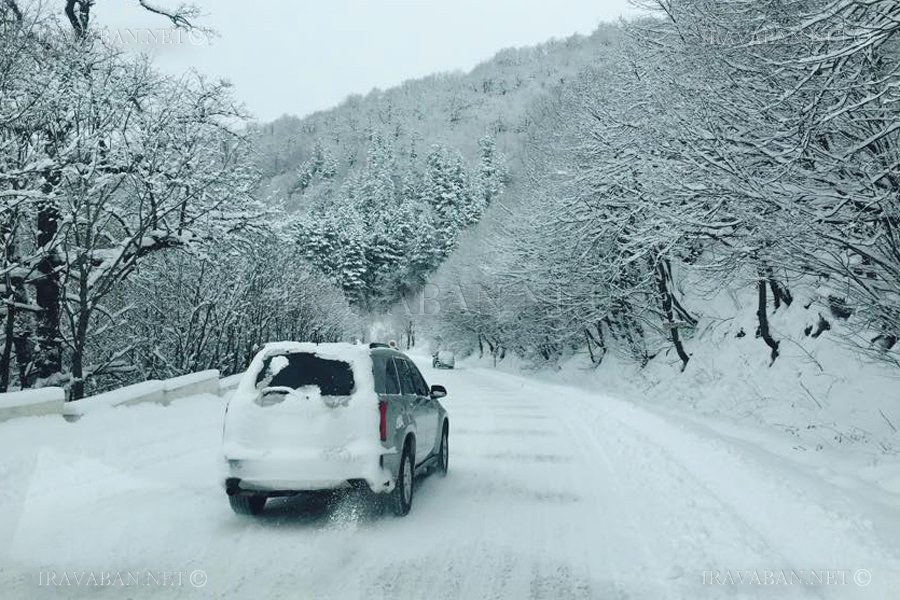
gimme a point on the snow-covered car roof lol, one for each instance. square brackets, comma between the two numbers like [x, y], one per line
[331, 350]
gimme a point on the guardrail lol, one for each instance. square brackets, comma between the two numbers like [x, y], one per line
[228, 384]
[32, 403]
[50, 401]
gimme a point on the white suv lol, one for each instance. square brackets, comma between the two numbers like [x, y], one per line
[326, 416]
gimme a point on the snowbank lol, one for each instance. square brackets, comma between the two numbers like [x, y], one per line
[27, 403]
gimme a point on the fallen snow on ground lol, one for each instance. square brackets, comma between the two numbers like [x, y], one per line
[819, 404]
[554, 492]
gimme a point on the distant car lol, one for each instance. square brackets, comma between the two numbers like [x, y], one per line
[328, 416]
[443, 359]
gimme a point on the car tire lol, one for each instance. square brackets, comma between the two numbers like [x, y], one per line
[443, 464]
[247, 505]
[401, 498]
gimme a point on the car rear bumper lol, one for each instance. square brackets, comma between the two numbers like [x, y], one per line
[253, 475]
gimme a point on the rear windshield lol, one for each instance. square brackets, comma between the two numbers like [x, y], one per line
[333, 377]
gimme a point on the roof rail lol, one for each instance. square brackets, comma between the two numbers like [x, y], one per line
[378, 345]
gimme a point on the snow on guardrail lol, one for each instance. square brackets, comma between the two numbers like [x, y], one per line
[139, 393]
[51, 401]
[204, 382]
[228, 384]
[29, 403]
[153, 391]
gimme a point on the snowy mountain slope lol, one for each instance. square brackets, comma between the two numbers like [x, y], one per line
[554, 492]
[380, 188]
[454, 109]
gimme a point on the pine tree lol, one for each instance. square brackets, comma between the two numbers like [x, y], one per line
[448, 189]
[492, 171]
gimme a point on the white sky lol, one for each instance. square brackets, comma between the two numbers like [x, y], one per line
[299, 56]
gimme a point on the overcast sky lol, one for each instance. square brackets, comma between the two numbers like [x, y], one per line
[299, 56]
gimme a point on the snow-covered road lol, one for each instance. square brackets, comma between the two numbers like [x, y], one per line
[553, 493]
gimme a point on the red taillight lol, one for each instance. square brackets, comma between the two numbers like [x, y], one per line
[382, 421]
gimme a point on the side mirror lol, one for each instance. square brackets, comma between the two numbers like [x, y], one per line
[438, 391]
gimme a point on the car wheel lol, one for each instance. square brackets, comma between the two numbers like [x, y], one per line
[401, 497]
[247, 505]
[444, 457]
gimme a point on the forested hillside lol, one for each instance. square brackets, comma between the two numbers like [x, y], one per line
[385, 183]
[150, 229]
[748, 148]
